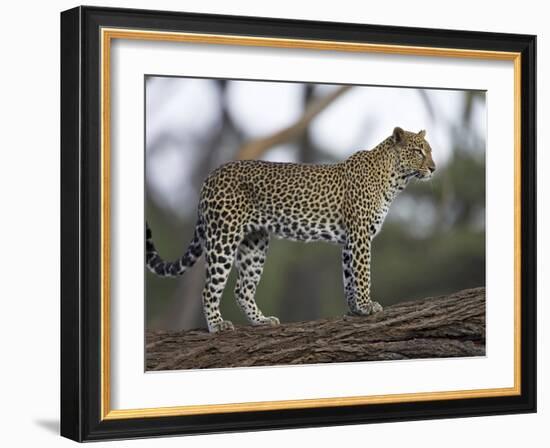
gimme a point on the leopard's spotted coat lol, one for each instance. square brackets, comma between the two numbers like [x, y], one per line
[242, 203]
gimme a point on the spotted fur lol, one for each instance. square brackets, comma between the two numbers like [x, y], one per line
[242, 203]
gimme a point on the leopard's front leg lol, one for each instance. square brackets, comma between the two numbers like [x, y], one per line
[356, 258]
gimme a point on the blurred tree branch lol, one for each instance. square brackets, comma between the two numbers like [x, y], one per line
[255, 148]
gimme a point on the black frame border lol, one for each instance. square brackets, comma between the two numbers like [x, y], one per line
[81, 223]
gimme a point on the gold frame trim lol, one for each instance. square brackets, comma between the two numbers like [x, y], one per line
[107, 35]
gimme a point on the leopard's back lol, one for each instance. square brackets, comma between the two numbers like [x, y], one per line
[290, 200]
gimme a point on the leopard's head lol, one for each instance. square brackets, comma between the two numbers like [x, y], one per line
[414, 154]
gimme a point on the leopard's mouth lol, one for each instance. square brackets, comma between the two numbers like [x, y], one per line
[423, 174]
[419, 174]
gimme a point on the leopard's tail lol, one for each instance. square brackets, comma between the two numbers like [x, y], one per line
[173, 268]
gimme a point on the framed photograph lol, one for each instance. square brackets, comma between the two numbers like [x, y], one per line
[199, 153]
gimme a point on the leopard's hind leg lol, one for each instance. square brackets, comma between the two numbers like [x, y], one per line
[249, 262]
[219, 255]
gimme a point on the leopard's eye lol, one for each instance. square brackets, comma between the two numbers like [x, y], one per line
[418, 151]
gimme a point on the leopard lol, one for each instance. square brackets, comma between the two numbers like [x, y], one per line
[243, 203]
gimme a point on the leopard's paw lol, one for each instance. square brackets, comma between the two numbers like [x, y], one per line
[224, 325]
[370, 308]
[271, 321]
[376, 308]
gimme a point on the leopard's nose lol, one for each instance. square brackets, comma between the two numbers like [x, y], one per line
[431, 168]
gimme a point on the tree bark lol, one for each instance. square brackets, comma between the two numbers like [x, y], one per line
[437, 327]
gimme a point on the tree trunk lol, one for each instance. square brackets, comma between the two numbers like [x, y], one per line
[437, 327]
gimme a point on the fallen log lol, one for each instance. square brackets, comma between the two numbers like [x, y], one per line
[436, 327]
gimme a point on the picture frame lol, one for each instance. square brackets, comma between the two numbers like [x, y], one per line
[86, 206]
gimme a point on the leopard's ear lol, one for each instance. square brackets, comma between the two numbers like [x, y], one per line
[398, 135]
[422, 133]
